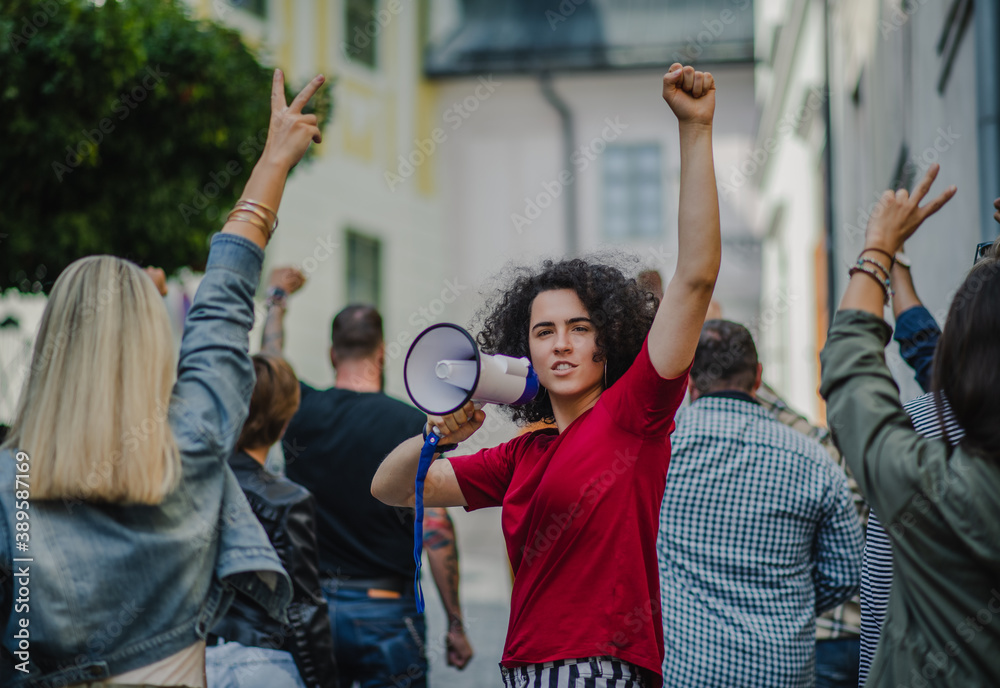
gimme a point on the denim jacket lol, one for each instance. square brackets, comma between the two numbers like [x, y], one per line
[114, 588]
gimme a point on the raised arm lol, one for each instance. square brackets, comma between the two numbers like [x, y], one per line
[673, 337]
[288, 136]
[868, 422]
[916, 330]
[282, 283]
[214, 373]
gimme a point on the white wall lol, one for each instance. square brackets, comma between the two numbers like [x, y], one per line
[378, 114]
[787, 194]
[508, 149]
[897, 67]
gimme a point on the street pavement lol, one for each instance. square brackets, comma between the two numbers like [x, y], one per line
[485, 594]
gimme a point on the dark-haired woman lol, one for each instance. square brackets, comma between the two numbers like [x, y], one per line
[940, 504]
[581, 501]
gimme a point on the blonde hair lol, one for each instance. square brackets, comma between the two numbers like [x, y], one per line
[93, 412]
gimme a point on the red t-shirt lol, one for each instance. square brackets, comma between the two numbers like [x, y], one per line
[580, 517]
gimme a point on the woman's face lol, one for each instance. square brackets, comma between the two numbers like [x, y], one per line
[562, 342]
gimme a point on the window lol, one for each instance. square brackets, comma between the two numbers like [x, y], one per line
[364, 269]
[633, 192]
[258, 8]
[361, 29]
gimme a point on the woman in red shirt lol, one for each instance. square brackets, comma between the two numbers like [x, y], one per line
[581, 501]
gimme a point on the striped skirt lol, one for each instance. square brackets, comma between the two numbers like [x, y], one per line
[591, 672]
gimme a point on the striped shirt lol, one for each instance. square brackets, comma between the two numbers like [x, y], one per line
[876, 572]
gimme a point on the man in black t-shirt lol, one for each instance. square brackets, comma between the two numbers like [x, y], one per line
[333, 446]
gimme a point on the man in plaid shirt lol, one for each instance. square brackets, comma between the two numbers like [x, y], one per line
[758, 531]
[838, 630]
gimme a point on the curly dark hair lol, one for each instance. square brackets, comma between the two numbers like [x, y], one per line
[620, 310]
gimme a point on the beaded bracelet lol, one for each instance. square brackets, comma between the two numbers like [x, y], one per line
[886, 291]
[885, 271]
[891, 257]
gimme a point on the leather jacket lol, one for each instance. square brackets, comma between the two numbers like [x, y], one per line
[286, 510]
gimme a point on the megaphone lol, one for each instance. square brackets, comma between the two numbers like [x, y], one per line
[444, 370]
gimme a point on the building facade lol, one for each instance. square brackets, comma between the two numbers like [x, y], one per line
[781, 186]
[912, 84]
[357, 236]
[559, 142]
[869, 94]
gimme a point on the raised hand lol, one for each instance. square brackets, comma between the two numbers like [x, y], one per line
[996, 204]
[690, 94]
[289, 280]
[290, 132]
[159, 279]
[899, 214]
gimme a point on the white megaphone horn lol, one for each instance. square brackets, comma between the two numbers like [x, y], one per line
[444, 370]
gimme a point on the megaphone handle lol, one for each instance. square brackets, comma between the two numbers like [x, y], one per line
[441, 448]
[424, 465]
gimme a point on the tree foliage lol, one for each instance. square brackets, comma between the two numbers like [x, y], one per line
[128, 128]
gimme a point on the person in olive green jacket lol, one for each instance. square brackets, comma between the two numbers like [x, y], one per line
[941, 505]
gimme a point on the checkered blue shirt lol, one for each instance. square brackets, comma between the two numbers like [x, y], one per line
[758, 532]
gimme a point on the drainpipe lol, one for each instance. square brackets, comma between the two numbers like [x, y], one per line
[831, 243]
[987, 21]
[569, 145]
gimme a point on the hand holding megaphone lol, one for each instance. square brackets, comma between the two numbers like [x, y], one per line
[459, 426]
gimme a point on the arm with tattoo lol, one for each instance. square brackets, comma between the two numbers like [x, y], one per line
[442, 553]
[282, 283]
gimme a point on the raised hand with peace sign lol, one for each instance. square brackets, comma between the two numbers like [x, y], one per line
[290, 132]
[896, 218]
[899, 213]
[288, 137]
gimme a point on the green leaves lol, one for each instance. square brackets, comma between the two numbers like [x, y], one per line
[127, 129]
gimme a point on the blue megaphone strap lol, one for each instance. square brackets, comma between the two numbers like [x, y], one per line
[426, 458]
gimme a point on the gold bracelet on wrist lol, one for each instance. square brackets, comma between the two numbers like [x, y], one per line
[263, 205]
[249, 218]
[256, 207]
[250, 208]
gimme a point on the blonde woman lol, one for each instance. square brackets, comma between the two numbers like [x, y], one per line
[123, 537]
